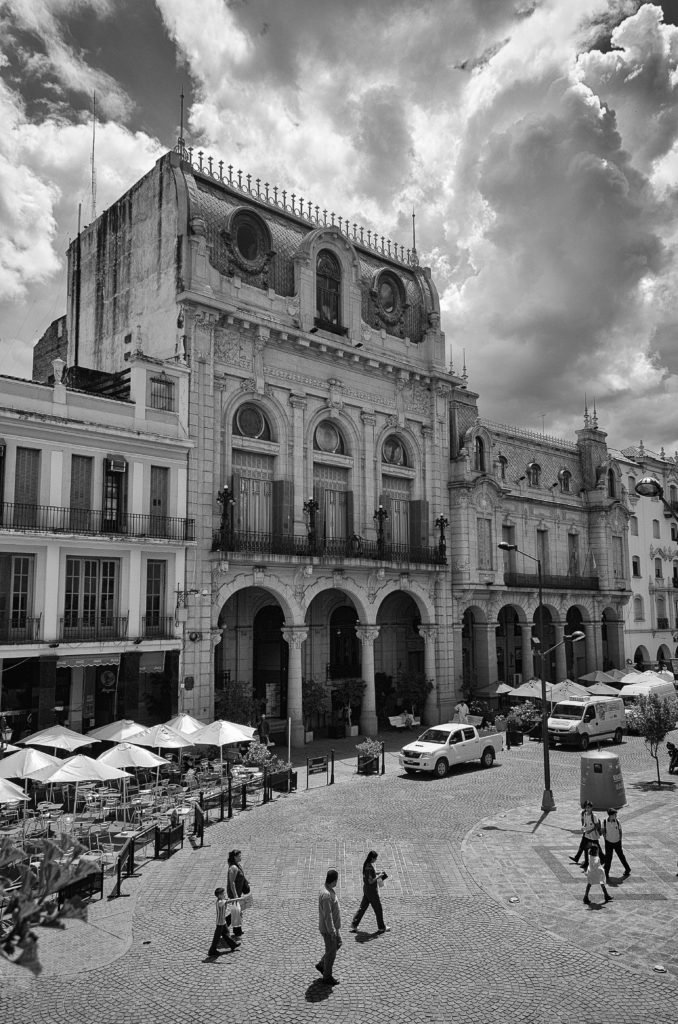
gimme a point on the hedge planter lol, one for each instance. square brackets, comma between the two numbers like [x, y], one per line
[515, 737]
[368, 764]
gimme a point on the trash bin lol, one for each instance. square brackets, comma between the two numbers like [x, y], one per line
[601, 780]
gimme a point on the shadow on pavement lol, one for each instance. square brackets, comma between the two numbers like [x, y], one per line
[317, 992]
[650, 786]
[363, 937]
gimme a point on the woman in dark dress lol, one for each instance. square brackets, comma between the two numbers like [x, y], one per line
[370, 894]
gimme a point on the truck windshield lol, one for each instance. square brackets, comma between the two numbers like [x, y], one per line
[565, 710]
[434, 736]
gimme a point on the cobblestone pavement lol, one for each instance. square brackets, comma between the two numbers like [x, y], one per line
[457, 851]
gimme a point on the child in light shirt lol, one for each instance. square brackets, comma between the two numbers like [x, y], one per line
[595, 875]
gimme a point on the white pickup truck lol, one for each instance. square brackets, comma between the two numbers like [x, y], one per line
[442, 746]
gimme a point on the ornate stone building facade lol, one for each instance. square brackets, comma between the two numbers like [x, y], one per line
[319, 418]
[336, 462]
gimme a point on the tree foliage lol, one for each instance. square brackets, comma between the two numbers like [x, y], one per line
[236, 703]
[314, 699]
[31, 895]
[413, 688]
[653, 717]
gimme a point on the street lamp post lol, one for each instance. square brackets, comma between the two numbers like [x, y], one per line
[227, 501]
[441, 522]
[380, 514]
[310, 508]
[649, 487]
[547, 801]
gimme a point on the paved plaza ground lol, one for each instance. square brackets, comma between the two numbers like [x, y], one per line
[485, 908]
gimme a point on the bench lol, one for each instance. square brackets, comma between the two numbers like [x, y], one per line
[404, 721]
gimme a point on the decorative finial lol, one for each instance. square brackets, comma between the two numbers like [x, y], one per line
[641, 449]
[464, 375]
[180, 147]
[587, 421]
[414, 259]
[594, 420]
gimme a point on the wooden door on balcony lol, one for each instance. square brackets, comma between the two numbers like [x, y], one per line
[159, 498]
[26, 487]
[81, 493]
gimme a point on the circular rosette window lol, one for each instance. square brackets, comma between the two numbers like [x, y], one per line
[328, 438]
[251, 422]
[393, 452]
[250, 244]
[389, 298]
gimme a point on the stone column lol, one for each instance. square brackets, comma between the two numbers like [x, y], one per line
[294, 638]
[298, 403]
[363, 516]
[528, 659]
[486, 656]
[560, 653]
[368, 713]
[431, 713]
[591, 629]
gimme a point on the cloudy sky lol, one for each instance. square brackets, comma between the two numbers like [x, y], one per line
[537, 141]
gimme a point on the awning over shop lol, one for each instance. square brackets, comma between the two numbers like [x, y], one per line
[152, 661]
[87, 660]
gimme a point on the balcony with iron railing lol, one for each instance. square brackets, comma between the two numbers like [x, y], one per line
[550, 581]
[92, 522]
[93, 627]
[332, 550]
[157, 627]
[662, 622]
[19, 629]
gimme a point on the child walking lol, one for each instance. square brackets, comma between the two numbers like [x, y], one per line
[595, 875]
[221, 930]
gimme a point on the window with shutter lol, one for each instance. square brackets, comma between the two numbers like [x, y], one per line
[91, 596]
[484, 529]
[26, 487]
[156, 575]
[158, 498]
[81, 492]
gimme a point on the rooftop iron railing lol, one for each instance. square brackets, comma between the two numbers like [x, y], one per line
[55, 519]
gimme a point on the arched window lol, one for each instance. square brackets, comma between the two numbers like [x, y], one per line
[503, 463]
[393, 451]
[635, 565]
[632, 485]
[633, 526]
[533, 474]
[658, 569]
[673, 494]
[328, 439]
[675, 574]
[565, 478]
[611, 484]
[327, 291]
[674, 531]
[638, 612]
[655, 529]
[479, 455]
[250, 421]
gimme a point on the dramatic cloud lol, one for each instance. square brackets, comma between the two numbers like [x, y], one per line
[537, 141]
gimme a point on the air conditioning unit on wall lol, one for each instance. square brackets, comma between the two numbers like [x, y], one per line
[516, 678]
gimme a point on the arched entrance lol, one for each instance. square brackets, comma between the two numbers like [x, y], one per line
[575, 654]
[509, 641]
[544, 631]
[269, 661]
[398, 652]
[611, 628]
[641, 658]
[663, 657]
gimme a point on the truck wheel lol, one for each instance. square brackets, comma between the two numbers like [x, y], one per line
[487, 760]
[583, 742]
[441, 768]
[617, 735]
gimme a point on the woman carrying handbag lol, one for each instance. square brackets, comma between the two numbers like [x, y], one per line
[371, 884]
[237, 887]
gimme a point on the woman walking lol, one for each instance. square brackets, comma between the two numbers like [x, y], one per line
[370, 894]
[236, 886]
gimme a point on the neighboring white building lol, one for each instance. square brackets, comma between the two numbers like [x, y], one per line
[93, 535]
[651, 622]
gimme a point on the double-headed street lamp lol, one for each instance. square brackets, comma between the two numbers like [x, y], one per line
[547, 801]
[649, 487]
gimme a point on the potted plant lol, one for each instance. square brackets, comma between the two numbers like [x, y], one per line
[313, 702]
[347, 698]
[413, 688]
[369, 752]
[520, 720]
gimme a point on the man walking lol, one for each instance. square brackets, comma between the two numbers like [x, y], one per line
[329, 925]
[612, 831]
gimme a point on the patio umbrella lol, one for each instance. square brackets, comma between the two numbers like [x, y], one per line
[603, 690]
[58, 737]
[619, 673]
[532, 689]
[128, 755]
[642, 677]
[504, 688]
[9, 792]
[218, 733]
[597, 677]
[567, 688]
[116, 732]
[81, 768]
[8, 748]
[185, 724]
[160, 736]
[27, 764]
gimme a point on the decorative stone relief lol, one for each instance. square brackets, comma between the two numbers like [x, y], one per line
[230, 349]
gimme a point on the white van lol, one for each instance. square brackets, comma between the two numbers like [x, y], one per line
[579, 720]
[629, 692]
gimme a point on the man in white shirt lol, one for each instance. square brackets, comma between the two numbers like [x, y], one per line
[329, 925]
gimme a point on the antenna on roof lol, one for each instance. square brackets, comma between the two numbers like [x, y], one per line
[181, 144]
[94, 170]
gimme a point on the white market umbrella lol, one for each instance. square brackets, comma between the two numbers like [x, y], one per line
[160, 736]
[27, 764]
[185, 724]
[116, 732]
[128, 755]
[598, 676]
[504, 688]
[532, 689]
[81, 768]
[219, 733]
[58, 737]
[9, 792]
[603, 690]
[567, 688]
[8, 748]
[642, 677]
